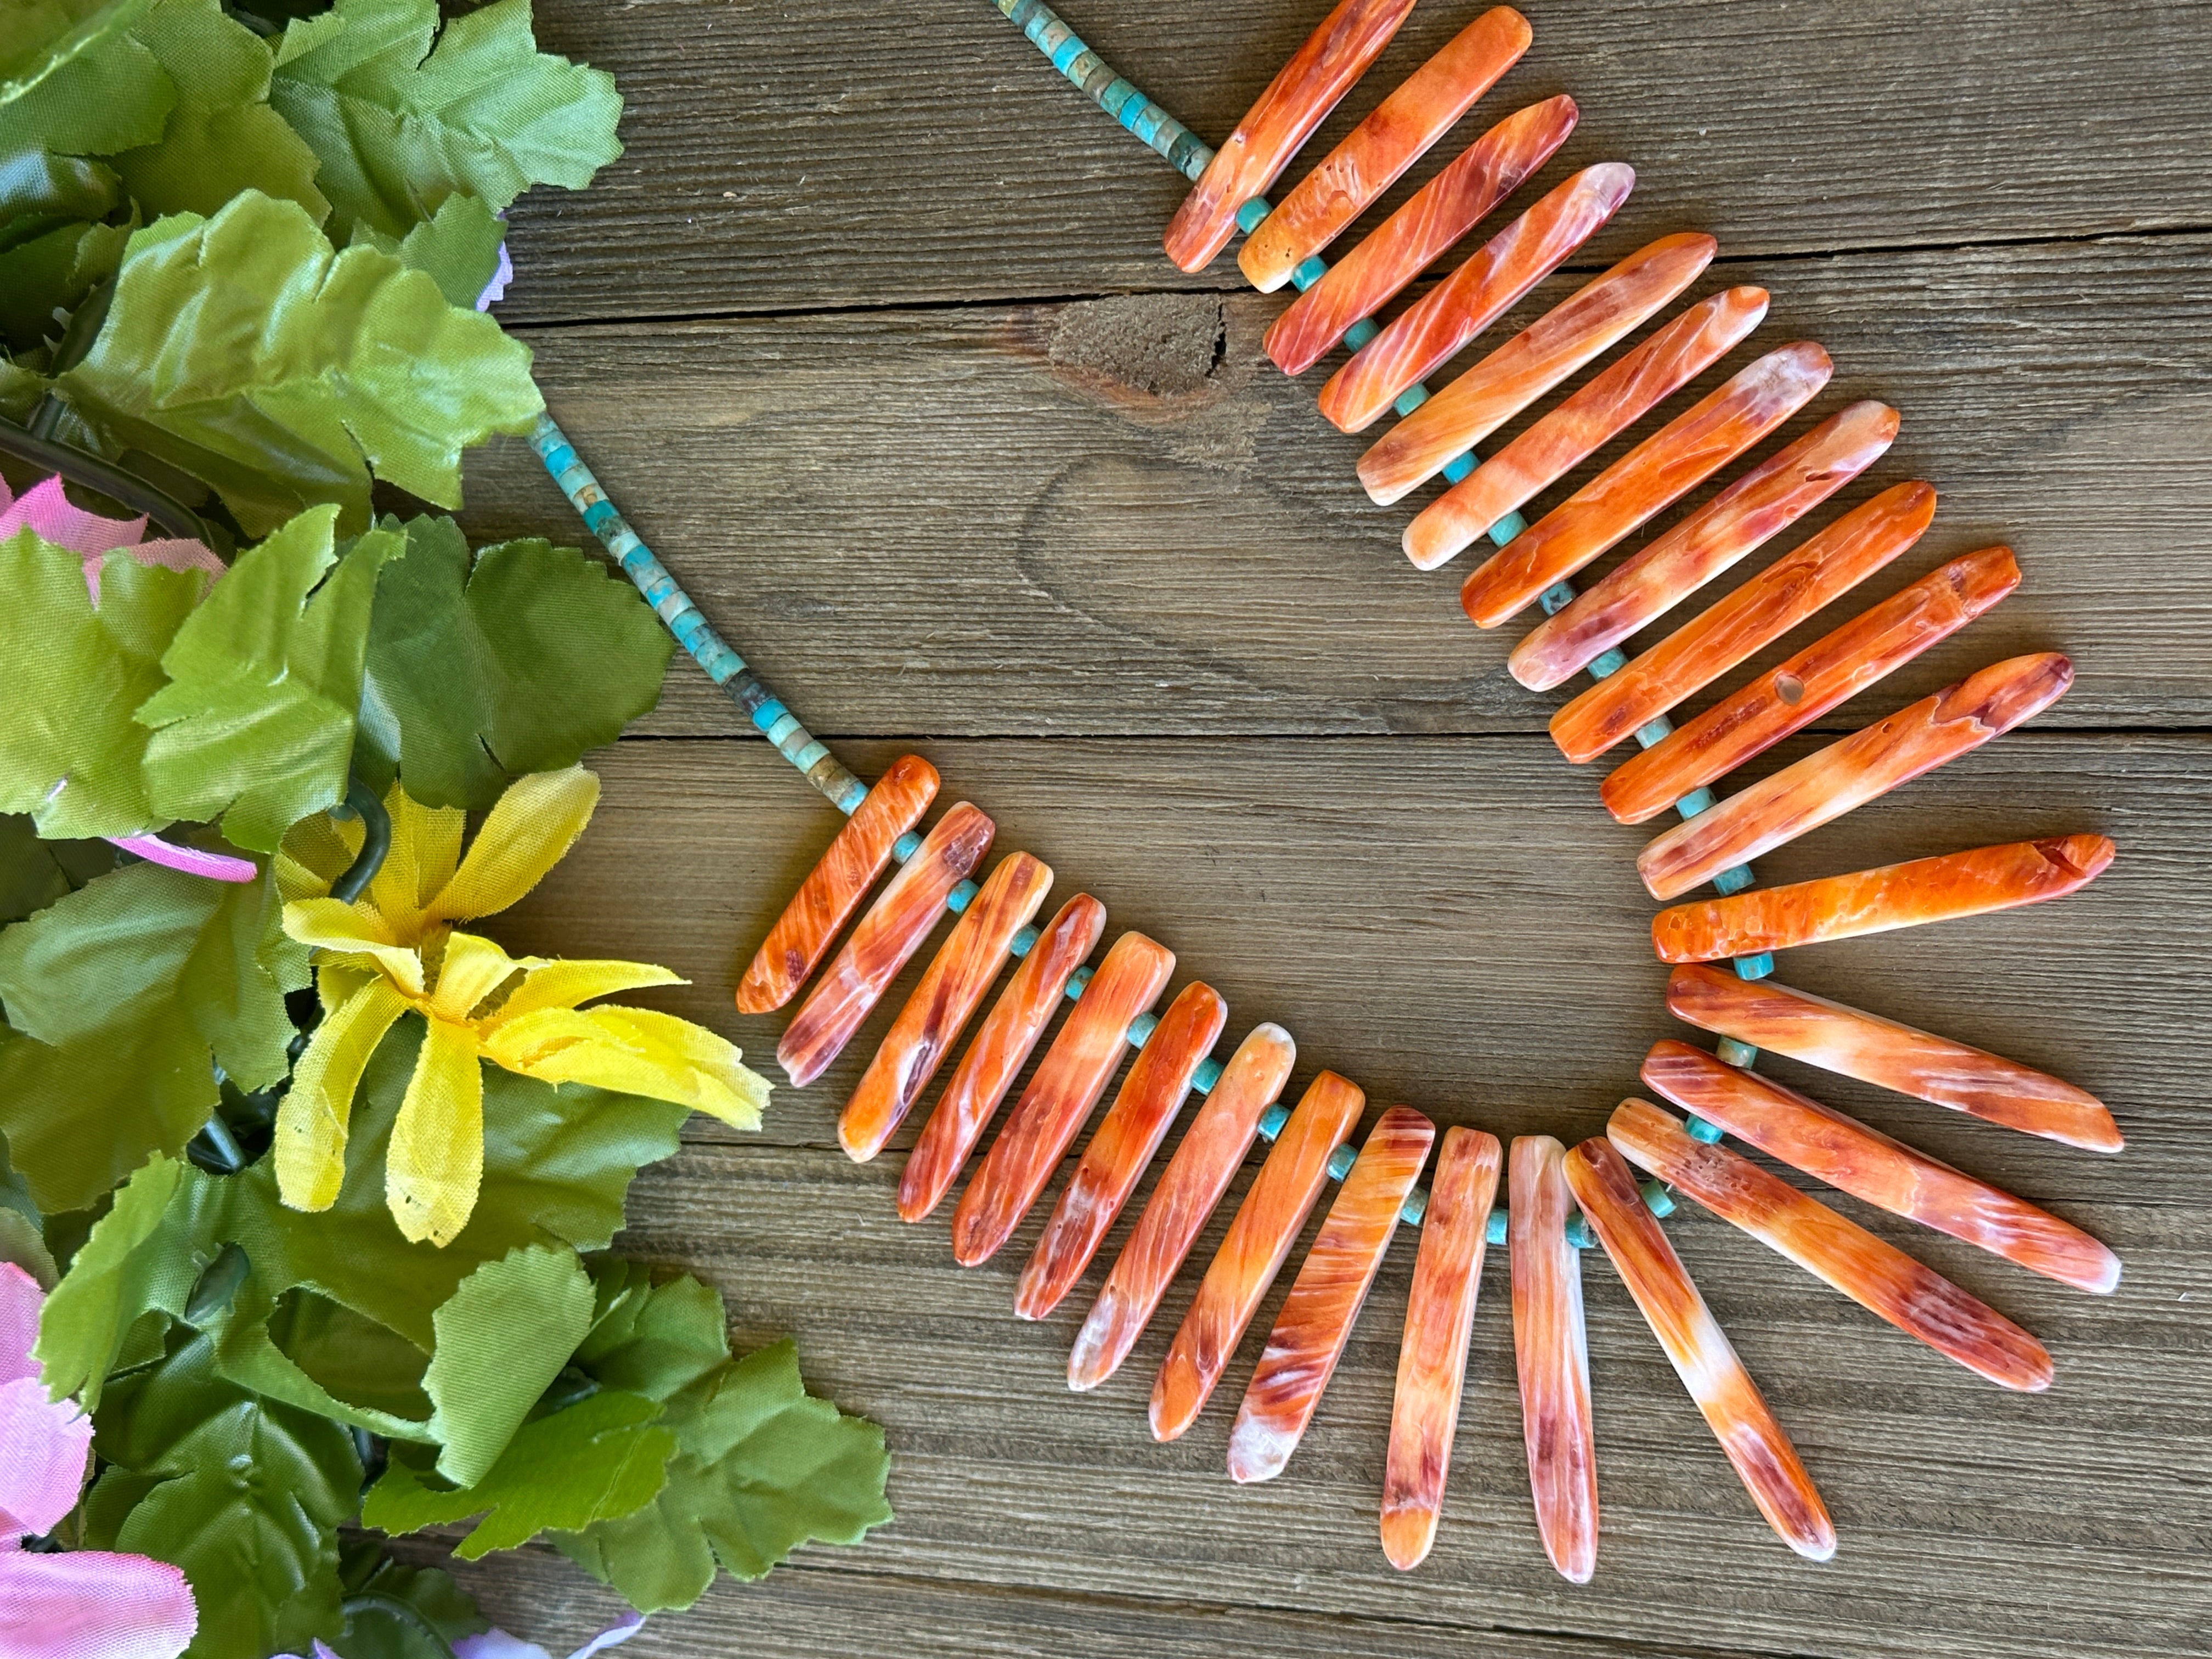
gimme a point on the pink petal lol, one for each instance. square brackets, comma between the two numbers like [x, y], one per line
[215, 867]
[45, 509]
[43, 1444]
[20, 1301]
[88, 1604]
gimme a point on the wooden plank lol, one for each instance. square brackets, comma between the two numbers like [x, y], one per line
[1116, 516]
[848, 154]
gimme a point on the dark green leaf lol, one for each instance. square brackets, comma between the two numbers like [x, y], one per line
[34, 873]
[143, 1256]
[459, 246]
[395, 1612]
[308, 369]
[256, 721]
[484, 112]
[248, 1504]
[46, 277]
[521, 665]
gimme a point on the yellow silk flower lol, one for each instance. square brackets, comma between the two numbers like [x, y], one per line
[395, 950]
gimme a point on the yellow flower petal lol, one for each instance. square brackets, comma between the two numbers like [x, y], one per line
[311, 1121]
[526, 833]
[565, 984]
[337, 979]
[351, 930]
[633, 1051]
[434, 1161]
[316, 852]
[472, 969]
[426, 842]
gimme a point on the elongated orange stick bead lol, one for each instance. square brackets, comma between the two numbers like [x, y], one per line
[1831, 670]
[1868, 1165]
[1969, 883]
[1749, 619]
[1660, 576]
[1530, 364]
[1639, 381]
[1267, 1225]
[1852, 771]
[1429, 332]
[1123, 1144]
[1324, 1302]
[834, 886]
[1399, 133]
[1670, 462]
[881, 942]
[1075, 1070]
[1878, 1276]
[1000, 1046]
[1210, 1152]
[1551, 1353]
[1699, 1349]
[934, 1016]
[1881, 1052]
[1432, 1357]
[1441, 212]
[1296, 100]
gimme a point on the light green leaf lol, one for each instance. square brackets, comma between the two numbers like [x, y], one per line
[256, 721]
[458, 246]
[69, 752]
[520, 666]
[112, 99]
[38, 191]
[656, 1340]
[597, 1459]
[117, 997]
[144, 1255]
[221, 136]
[20, 388]
[243, 351]
[484, 112]
[502, 1338]
[34, 873]
[247, 1502]
[38, 37]
[309, 1352]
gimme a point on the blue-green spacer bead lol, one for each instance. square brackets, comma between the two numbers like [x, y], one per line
[1657, 729]
[1141, 1028]
[1308, 270]
[1411, 399]
[1578, 1231]
[1701, 1130]
[1207, 1074]
[959, 898]
[1340, 1162]
[1493, 1230]
[1700, 800]
[1758, 967]
[1272, 1122]
[1734, 879]
[1078, 981]
[1415, 1209]
[1459, 466]
[1507, 528]
[1022, 943]
[1253, 213]
[1608, 664]
[1737, 1053]
[1557, 597]
[1361, 333]
[1657, 1198]
[768, 714]
[906, 846]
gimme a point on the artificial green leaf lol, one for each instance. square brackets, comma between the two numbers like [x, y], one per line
[309, 1352]
[399, 132]
[458, 245]
[656, 1340]
[221, 136]
[764, 1466]
[33, 872]
[395, 1612]
[120, 1000]
[144, 1255]
[112, 99]
[23, 1230]
[598, 1460]
[46, 277]
[39, 190]
[256, 721]
[69, 753]
[502, 1338]
[20, 388]
[520, 666]
[248, 1505]
[243, 351]
[38, 37]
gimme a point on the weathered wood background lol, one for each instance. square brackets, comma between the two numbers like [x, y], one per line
[869, 332]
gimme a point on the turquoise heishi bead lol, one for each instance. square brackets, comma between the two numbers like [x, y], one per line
[1361, 333]
[1608, 664]
[1308, 271]
[1411, 399]
[1077, 981]
[961, 896]
[1657, 1198]
[1701, 1130]
[1272, 1122]
[1459, 466]
[1253, 213]
[1758, 967]
[1697, 801]
[1732, 1053]
[1022, 943]
[1734, 879]
[1141, 1028]
[1340, 1162]
[1207, 1074]
[1654, 731]
[1507, 528]
[1493, 1230]
[906, 846]
[1415, 1209]
[1556, 597]
[1578, 1231]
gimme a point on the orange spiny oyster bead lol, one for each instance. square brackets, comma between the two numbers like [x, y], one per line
[1551, 1352]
